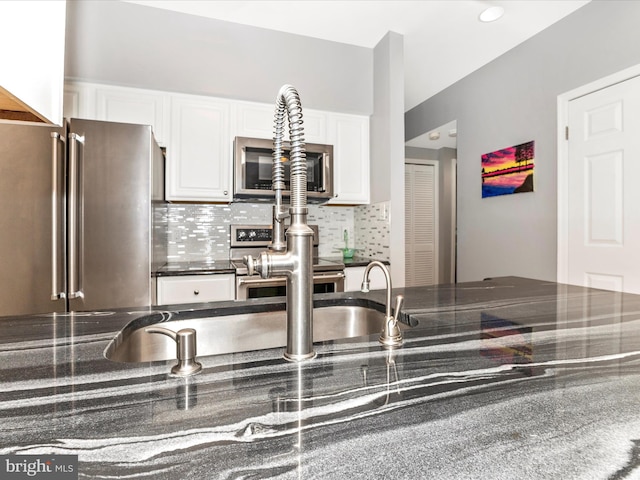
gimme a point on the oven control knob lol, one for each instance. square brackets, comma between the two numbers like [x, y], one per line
[252, 234]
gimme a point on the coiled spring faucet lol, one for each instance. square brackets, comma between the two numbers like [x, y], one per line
[295, 261]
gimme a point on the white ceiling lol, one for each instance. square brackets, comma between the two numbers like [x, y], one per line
[443, 39]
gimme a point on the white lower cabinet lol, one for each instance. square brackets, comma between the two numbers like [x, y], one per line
[195, 289]
[353, 279]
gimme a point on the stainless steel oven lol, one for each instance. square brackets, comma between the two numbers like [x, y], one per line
[328, 275]
[253, 165]
[256, 287]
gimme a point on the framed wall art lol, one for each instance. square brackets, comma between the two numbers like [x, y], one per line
[509, 170]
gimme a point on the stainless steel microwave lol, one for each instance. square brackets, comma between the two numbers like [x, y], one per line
[253, 165]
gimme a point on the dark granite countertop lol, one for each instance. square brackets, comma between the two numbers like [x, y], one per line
[194, 268]
[506, 378]
[356, 261]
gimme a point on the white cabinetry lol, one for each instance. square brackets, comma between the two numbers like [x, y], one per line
[199, 156]
[199, 131]
[32, 74]
[255, 120]
[128, 105]
[353, 279]
[349, 135]
[79, 101]
[195, 289]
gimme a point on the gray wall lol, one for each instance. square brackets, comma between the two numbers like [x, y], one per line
[513, 100]
[127, 44]
[387, 143]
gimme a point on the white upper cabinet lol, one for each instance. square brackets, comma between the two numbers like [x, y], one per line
[32, 74]
[143, 107]
[199, 155]
[198, 132]
[349, 135]
[255, 120]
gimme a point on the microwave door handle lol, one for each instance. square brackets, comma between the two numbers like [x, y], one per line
[327, 172]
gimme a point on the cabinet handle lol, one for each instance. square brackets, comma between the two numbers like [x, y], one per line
[226, 192]
[196, 292]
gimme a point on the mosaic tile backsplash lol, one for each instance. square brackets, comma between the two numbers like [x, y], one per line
[371, 225]
[201, 232]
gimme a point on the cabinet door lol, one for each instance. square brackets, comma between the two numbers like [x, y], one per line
[195, 289]
[32, 36]
[199, 155]
[349, 135]
[255, 120]
[129, 105]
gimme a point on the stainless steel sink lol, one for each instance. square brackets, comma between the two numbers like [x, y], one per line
[243, 332]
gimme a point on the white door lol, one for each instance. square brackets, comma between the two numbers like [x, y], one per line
[421, 221]
[603, 244]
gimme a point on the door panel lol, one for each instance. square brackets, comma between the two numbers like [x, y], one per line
[604, 201]
[113, 256]
[26, 227]
[421, 266]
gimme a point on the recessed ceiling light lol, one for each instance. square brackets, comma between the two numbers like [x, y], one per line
[491, 14]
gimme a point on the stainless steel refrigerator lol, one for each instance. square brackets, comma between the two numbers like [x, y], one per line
[76, 217]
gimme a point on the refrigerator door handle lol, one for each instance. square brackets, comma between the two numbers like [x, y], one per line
[75, 283]
[56, 292]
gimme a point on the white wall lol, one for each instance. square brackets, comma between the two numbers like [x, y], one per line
[513, 100]
[133, 45]
[387, 143]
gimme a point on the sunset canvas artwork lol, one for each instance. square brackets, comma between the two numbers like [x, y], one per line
[507, 171]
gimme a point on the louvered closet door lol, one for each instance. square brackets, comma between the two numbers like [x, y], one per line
[420, 225]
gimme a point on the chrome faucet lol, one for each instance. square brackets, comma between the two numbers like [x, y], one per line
[294, 259]
[391, 335]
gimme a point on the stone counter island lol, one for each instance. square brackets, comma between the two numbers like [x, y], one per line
[502, 379]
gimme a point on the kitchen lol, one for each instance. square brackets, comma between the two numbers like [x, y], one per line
[471, 269]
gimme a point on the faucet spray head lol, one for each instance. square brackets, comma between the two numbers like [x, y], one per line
[364, 288]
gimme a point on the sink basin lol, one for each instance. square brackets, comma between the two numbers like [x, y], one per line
[243, 332]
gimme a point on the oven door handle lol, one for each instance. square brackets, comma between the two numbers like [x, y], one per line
[331, 277]
[274, 282]
[263, 282]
